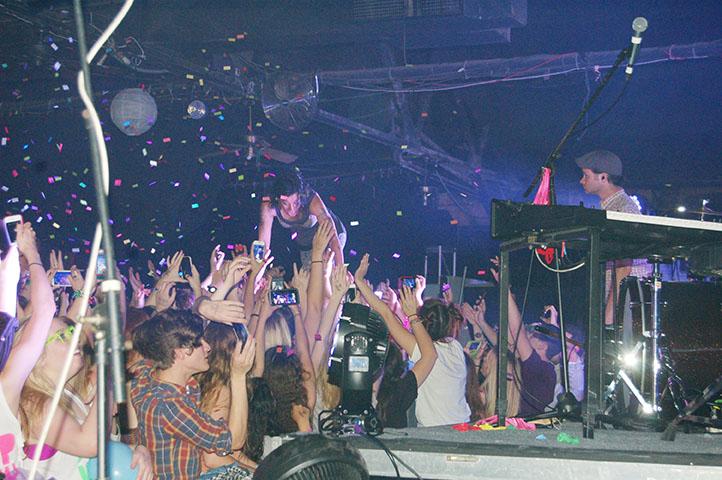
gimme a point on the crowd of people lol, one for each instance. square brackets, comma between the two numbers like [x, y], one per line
[211, 374]
[214, 364]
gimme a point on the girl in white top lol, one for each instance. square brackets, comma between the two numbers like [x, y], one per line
[441, 398]
[26, 349]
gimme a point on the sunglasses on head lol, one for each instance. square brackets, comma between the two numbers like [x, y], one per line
[63, 335]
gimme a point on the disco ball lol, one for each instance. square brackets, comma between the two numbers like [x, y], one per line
[197, 109]
[133, 111]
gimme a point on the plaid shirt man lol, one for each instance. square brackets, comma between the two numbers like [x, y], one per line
[172, 425]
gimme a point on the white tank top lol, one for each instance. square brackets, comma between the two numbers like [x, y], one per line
[11, 439]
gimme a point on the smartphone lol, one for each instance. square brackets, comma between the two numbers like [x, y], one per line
[408, 282]
[101, 268]
[473, 345]
[351, 294]
[185, 268]
[277, 284]
[287, 296]
[258, 250]
[61, 278]
[241, 332]
[8, 233]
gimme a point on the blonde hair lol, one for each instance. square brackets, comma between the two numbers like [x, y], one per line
[513, 387]
[39, 389]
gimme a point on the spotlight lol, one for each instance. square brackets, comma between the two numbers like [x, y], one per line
[630, 359]
[681, 209]
[313, 457]
[359, 351]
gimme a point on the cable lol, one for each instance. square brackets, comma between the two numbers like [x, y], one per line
[90, 280]
[394, 458]
[557, 270]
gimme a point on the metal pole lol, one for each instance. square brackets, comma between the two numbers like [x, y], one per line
[503, 335]
[656, 331]
[100, 397]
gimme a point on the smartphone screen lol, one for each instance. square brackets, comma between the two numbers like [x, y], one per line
[258, 250]
[241, 332]
[277, 283]
[101, 268]
[61, 278]
[284, 297]
[185, 267]
[408, 282]
[351, 294]
[10, 223]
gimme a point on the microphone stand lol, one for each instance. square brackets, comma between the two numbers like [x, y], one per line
[556, 153]
[568, 405]
[108, 330]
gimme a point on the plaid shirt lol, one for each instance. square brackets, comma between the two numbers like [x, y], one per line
[172, 426]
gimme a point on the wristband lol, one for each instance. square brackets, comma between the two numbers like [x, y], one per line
[317, 337]
[77, 294]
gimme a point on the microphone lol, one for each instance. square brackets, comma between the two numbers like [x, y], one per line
[639, 25]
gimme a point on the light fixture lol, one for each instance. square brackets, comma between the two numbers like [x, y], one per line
[359, 351]
[681, 209]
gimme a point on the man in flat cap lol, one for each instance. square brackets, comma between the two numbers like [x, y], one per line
[601, 174]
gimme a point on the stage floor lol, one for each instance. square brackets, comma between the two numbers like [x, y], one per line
[444, 453]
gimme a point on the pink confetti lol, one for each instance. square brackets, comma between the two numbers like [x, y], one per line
[166, 140]
[396, 255]
[60, 147]
[118, 182]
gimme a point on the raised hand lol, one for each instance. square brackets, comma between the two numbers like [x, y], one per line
[56, 260]
[495, 269]
[76, 279]
[217, 257]
[172, 272]
[408, 301]
[300, 279]
[320, 240]
[194, 280]
[26, 242]
[419, 289]
[362, 270]
[224, 311]
[243, 356]
[165, 295]
[340, 281]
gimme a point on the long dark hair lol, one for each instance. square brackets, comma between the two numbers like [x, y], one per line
[287, 183]
[261, 417]
[284, 376]
[222, 340]
[394, 369]
[440, 320]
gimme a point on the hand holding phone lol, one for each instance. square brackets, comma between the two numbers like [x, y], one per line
[101, 267]
[258, 250]
[185, 268]
[407, 281]
[61, 278]
[287, 296]
[9, 236]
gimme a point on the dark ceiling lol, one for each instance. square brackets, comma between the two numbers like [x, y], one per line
[666, 127]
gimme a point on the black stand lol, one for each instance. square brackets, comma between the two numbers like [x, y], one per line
[568, 405]
[556, 153]
[109, 326]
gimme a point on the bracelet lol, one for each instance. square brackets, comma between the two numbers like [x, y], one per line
[255, 315]
[77, 294]
[34, 263]
[316, 261]
[415, 321]
[412, 315]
